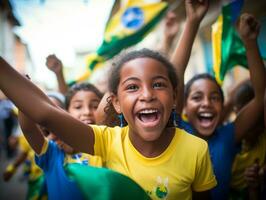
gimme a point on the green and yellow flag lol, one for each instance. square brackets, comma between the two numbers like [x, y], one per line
[101, 183]
[228, 49]
[127, 27]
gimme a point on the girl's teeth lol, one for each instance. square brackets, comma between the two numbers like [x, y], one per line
[206, 115]
[147, 111]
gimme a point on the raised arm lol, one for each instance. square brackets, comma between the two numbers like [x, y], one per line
[171, 28]
[38, 107]
[231, 101]
[195, 11]
[55, 65]
[11, 168]
[248, 29]
[32, 132]
[265, 107]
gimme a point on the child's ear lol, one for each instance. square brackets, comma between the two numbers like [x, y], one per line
[184, 113]
[116, 104]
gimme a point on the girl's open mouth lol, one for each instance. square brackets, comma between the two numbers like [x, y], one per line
[149, 117]
[206, 119]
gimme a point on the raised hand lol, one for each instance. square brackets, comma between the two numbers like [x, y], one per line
[9, 172]
[248, 27]
[54, 64]
[171, 25]
[196, 9]
[251, 175]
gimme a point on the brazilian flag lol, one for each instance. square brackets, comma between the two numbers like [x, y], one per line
[127, 27]
[101, 183]
[228, 48]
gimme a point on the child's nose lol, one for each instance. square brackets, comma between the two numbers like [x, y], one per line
[147, 94]
[206, 101]
[87, 111]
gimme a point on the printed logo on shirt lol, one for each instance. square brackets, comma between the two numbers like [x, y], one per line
[161, 190]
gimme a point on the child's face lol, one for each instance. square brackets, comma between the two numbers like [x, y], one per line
[203, 106]
[145, 97]
[83, 106]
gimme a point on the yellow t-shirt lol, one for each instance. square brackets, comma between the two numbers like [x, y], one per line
[35, 171]
[245, 159]
[184, 166]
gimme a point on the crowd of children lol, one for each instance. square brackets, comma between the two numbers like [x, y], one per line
[138, 128]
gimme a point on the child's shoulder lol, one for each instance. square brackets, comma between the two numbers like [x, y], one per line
[190, 140]
[100, 129]
[225, 128]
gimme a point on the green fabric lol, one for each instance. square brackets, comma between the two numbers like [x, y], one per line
[233, 50]
[110, 49]
[102, 183]
[121, 39]
[36, 189]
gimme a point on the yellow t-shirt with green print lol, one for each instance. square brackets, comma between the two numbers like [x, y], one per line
[183, 167]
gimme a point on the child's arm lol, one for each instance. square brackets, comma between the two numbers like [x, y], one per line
[37, 106]
[248, 29]
[171, 28]
[195, 11]
[251, 175]
[265, 107]
[32, 133]
[11, 168]
[55, 65]
[229, 104]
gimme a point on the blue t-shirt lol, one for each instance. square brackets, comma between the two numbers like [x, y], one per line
[222, 149]
[59, 186]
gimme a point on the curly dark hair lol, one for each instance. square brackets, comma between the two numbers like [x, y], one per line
[123, 58]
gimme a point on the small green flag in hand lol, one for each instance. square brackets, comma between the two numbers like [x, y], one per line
[102, 184]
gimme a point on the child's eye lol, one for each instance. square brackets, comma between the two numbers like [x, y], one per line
[196, 98]
[94, 106]
[77, 107]
[132, 88]
[158, 85]
[216, 98]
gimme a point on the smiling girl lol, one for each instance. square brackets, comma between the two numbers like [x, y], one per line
[166, 161]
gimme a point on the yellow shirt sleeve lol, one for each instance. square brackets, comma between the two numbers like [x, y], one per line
[103, 136]
[44, 147]
[23, 144]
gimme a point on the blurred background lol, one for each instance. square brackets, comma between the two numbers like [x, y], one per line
[30, 30]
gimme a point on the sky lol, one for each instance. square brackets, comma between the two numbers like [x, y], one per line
[63, 27]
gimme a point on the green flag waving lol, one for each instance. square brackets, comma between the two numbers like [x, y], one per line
[228, 49]
[101, 183]
[127, 27]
